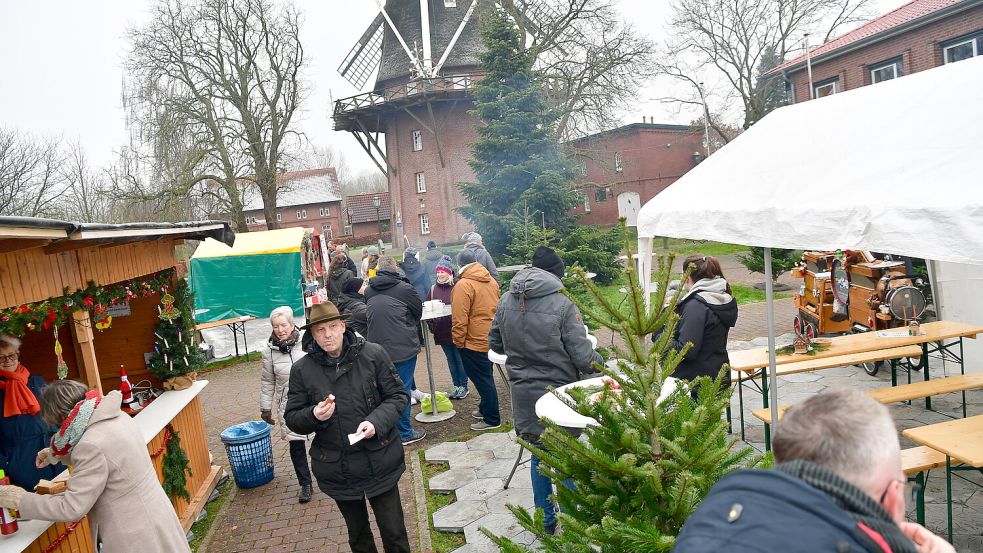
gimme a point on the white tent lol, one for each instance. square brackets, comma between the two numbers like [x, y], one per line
[894, 167]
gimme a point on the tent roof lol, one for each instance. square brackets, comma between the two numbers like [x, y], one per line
[254, 243]
[893, 167]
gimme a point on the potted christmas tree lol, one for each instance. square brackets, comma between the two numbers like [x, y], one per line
[176, 359]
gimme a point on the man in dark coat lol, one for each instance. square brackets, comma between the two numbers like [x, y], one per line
[474, 244]
[415, 273]
[542, 333]
[394, 312]
[430, 261]
[837, 486]
[347, 393]
[351, 302]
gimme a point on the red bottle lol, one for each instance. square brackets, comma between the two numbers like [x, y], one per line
[8, 524]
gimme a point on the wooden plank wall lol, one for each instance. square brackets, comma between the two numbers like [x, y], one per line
[37, 352]
[33, 275]
[125, 342]
[79, 541]
[190, 426]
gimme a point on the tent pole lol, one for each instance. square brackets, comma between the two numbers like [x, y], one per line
[770, 317]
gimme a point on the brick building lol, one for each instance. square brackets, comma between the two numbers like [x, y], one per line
[621, 169]
[310, 199]
[365, 220]
[917, 36]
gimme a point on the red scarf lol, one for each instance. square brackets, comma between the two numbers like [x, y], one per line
[18, 399]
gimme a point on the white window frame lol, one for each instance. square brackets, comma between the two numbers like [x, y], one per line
[348, 229]
[421, 182]
[279, 217]
[424, 223]
[583, 167]
[894, 65]
[619, 163]
[417, 140]
[973, 41]
[450, 3]
[326, 230]
[586, 203]
[324, 212]
[816, 88]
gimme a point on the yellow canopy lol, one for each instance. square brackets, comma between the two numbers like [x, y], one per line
[254, 243]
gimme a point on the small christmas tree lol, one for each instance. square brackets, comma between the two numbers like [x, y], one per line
[781, 261]
[175, 352]
[642, 471]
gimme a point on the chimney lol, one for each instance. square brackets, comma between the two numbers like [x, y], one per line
[643, 119]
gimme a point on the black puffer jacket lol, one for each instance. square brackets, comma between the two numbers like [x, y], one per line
[394, 311]
[337, 280]
[706, 315]
[542, 333]
[354, 305]
[366, 388]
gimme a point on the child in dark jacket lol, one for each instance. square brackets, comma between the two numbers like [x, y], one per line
[441, 328]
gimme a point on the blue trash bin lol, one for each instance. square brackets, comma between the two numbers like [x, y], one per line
[250, 453]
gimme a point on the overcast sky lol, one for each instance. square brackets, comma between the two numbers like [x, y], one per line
[61, 67]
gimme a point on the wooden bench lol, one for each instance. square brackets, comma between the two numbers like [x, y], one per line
[920, 459]
[904, 392]
[833, 362]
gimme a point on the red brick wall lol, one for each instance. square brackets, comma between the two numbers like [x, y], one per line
[920, 49]
[652, 159]
[456, 131]
[289, 219]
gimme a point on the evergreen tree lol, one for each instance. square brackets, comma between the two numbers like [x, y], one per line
[781, 261]
[175, 352]
[642, 471]
[516, 159]
[770, 89]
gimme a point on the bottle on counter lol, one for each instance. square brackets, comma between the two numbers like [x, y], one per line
[8, 524]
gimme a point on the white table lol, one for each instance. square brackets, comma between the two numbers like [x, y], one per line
[551, 407]
[428, 314]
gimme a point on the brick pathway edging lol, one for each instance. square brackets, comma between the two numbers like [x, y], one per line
[420, 496]
[219, 520]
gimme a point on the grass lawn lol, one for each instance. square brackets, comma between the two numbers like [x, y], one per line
[200, 529]
[750, 294]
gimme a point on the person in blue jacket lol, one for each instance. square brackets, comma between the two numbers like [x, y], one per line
[23, 433]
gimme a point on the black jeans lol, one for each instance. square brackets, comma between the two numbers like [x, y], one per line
[298, 456]
[388, 515]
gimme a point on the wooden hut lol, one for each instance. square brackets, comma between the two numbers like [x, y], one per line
[43, 262]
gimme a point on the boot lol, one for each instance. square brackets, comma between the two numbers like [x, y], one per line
[306, 493]
[298, 457]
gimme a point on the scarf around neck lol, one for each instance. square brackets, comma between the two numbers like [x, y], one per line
[75, 424]
[18, 399]
[287, 343]
[860, 506]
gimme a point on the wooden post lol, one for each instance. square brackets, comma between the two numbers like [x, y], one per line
[85, 349]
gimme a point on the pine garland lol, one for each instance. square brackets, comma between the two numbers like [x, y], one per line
[176, 468]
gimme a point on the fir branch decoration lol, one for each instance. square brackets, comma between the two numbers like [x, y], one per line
[176, 468]
[814, 348]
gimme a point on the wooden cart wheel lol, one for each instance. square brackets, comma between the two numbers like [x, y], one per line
[811, 331]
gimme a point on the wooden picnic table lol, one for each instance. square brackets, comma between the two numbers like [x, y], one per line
[854, 348]
[236, 324]
[961, 440]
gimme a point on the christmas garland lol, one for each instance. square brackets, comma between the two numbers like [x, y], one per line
[54, 312]
[176, 467]
[61, 537]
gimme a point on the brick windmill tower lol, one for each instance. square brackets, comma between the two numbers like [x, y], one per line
[424, 54]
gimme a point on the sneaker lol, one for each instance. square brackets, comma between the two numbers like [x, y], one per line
[482, 425]
[412, 400]
[463, 392]
[306, 493]
[416, 436]
[453, 393]
[418, 395]
[476, 414]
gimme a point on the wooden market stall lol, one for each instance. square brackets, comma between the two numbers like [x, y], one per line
[85, 299]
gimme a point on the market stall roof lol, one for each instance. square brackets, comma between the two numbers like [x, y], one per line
[254, 243]
[18, 233]
[893, 167]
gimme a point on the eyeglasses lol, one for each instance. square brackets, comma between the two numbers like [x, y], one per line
[912, 490]
[9, 357]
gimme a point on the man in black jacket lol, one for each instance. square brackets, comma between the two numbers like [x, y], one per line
[837, 486]
[347, 393]
[394, 310]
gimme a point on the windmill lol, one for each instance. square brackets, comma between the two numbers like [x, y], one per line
[424, 56]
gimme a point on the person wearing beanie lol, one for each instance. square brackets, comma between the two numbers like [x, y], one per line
[472, 309]
[473, 244]
[542, 333]
[369, 261]
[548, 260]
[351, 302]
[430, 260]
[415, 272]
[442, 289]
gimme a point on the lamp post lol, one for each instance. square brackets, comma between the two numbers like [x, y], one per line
[812, 91]
[377, 203]
[348, 211]
[706, 118]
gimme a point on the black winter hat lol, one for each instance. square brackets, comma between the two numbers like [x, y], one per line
[466, 256]
[352, 286]
[546, 259]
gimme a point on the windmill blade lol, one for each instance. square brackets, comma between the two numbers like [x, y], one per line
[363, 59]
[537, 14]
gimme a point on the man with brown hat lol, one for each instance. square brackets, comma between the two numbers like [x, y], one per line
[347, 393]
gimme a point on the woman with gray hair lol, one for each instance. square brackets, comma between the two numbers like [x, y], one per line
[283, 350]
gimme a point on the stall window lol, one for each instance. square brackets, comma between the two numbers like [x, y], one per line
[963, 48]
[886, 71]
[417, 141]
[424, 223]
[826, 88]
[421, 183]
[618, 164]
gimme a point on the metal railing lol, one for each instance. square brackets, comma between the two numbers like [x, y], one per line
[406, 91]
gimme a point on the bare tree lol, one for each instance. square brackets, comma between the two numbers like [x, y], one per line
[364, 183]
[30, 174]
[87, 197]
[593, 61]
[735, 37]
[228, 74]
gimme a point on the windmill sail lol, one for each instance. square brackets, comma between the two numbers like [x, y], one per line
[363, 59]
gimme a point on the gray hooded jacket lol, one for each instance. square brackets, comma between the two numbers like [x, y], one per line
[542, 333]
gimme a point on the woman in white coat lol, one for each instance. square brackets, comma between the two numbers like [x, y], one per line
[281, 352]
